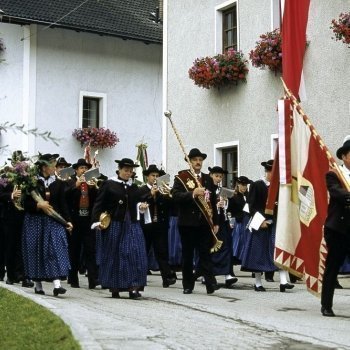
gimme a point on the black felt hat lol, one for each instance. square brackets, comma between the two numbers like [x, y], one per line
[62, 161]
[343, 149]
[152, 169]
[17, 156]
[81, 162]
[242, 180]
[45, 159]
[195, 152]
[217, 170]
[268, 164]
[126, 162]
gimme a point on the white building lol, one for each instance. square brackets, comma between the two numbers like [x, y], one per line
[237, 126]
[70, 64]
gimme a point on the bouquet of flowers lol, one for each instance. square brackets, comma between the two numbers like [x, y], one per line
[220, 70]
[23, 176]
[96, 137]
[268, 51]
[341, 28]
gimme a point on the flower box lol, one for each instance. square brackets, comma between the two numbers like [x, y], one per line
[341, 28]
[220, 70]
[96, 137]
[268, 51]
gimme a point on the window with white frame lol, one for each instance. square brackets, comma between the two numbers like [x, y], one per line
[274, 145]
[226, 27]
[226, 155]
[276, 13]
[92, 109]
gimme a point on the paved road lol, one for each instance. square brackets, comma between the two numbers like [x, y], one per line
[237, 318]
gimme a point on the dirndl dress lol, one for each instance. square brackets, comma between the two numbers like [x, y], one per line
[239, 238]
[44, 248]
[122, 256]
[174, 242]
[258, 254]
[222, 259]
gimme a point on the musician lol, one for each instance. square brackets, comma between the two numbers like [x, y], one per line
[123, 259]
[45, 251]
[259, 249]
[156, 231]
[336, 228]
[80, 197]
[222, 259]
[61, 164]
[194, 228]
[241, 217]
[12, 229]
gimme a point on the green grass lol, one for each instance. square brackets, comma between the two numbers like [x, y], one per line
[26, 325]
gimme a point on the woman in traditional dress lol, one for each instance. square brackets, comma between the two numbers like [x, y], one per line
[223, 258]
[259, 250]
[122, 255]
[45, 247]
[239, 212]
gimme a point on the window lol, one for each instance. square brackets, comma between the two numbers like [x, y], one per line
[229, 29]
[274, 145]
[92, 109]
[226, 26]
[276, 13]
[226, 155]
[230, 163]
[91, 112]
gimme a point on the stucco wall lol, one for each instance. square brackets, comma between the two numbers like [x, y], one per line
[128, 72]
[11, 77]
[247, 113]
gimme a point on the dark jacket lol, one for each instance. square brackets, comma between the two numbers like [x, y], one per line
[338, 217]
[236, 205]
[9, 212]
[188, 212]
[117, 199]
[57, 199]
[161, 202]
[73, 194]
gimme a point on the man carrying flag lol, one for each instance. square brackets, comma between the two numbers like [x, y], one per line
[337, 227]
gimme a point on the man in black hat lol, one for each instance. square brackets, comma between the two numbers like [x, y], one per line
[191, 186]
[156, 231]
[17, 156]
[336, 227]
[61, 164]
[81, 196]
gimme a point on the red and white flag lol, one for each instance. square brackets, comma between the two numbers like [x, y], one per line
[302, 203]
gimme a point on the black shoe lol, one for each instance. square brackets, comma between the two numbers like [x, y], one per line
[269, 280]
[27, 283]
[338, 285]
[75, 285]
[134, 294]
[187, 291]
[211, 288]
[328, 312]
[283, 287]
[10, 282]
[168, 282]
[41, 292]
[229, 282]
[59, 290]
[115, 295]
[259, 289]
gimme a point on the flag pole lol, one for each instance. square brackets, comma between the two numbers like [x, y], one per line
[317, 137]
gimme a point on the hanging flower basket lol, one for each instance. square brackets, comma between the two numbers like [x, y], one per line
[96, 137]
[341, 28]
[220, 70]
[268, 51]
